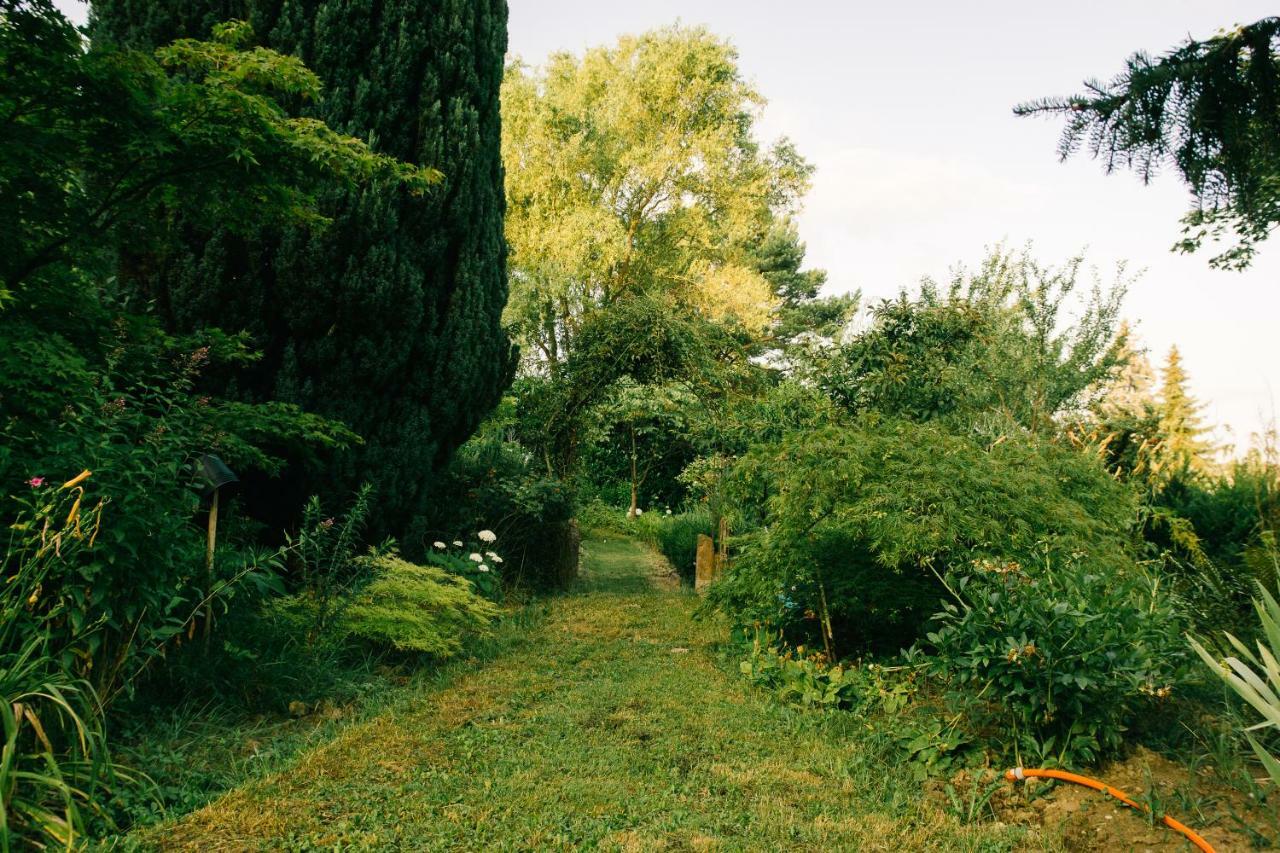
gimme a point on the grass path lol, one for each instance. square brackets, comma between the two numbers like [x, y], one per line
[617, 724]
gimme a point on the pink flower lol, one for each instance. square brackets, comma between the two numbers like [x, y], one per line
[35, 482]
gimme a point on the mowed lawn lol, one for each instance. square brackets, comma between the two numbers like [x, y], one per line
[618, 725]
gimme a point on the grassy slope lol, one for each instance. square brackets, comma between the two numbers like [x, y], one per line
[616, 725]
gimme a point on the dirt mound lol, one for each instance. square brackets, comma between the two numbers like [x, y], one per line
[1087, 820]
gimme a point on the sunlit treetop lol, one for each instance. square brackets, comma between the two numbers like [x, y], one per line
[634, 169]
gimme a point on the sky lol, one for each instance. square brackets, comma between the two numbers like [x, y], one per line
[905, 111]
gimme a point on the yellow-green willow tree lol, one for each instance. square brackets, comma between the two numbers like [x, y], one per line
[634, 170]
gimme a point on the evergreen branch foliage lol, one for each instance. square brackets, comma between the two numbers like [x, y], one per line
[1211, 110]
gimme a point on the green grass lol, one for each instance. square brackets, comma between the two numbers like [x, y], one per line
[618, 723]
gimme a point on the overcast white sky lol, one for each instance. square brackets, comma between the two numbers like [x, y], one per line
[905, 110]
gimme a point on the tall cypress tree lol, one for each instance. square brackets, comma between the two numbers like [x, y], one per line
[389, 317]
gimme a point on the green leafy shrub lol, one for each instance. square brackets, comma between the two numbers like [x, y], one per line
[801, 678]
[887, 700]
[138, 424]
[639, 435]
[326, 549]
[598, 515]
[415, 608]
[1063, 656]
[675, 536]
[992, 342]
[846, 528]
[123, 144]
[1255, 677]
[1219, 539]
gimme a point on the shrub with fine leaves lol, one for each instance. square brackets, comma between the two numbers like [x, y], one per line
[417, 608]
[855, 522]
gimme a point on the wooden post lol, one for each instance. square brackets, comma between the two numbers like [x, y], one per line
[705, 570]
[208, 568]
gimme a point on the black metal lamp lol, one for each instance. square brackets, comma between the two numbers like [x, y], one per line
[217, 476]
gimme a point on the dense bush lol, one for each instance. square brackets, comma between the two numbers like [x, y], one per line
[848, 528]
[1057, 657]
[991, 342]
[113, 147]
[389, 318]
[56, 767]
[893, 712]
[105, 152]
[1219, 539]
[797, 677]
[139, 585]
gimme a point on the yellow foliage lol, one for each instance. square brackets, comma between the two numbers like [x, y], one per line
[733, 293]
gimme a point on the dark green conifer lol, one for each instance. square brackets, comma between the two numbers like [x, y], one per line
[389, 317]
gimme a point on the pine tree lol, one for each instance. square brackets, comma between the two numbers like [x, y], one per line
[800, 311]
[1183, 449]
[389, 318]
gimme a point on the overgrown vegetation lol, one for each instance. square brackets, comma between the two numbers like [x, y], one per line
[113, 157]
[962, 527]
[388, 319]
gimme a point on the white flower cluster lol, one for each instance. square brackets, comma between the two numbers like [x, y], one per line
[475, 556]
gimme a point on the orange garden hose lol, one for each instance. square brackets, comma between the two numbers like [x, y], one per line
[1019, 773]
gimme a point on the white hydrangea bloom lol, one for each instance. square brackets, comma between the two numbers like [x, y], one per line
[477, 558]
[440, 546]
[457, 543]
[487, 536]
[482, 567]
